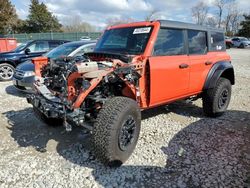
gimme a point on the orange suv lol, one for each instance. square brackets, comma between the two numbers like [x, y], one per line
[134, 67]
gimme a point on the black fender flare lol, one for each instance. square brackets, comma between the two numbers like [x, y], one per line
[219, 69]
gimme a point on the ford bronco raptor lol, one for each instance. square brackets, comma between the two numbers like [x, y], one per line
[134, 67]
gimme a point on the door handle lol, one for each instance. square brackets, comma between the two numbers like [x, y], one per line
[208, 63]
[183, 66]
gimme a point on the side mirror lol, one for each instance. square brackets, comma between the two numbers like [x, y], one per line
[27, 51]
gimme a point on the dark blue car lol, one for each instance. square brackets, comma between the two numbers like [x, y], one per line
[24, 52]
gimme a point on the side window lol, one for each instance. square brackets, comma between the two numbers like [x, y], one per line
[54, 44]
[217, 41]
[32, 47]
[169, 42]
[40, 46]
[197, 42]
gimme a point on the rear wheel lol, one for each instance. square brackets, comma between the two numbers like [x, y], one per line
[216, 100]
[45, 119]
[116, 130]
[6, 72]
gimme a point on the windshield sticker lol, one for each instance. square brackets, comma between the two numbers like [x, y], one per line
[218, 47]
[142, 30]
[212, 40]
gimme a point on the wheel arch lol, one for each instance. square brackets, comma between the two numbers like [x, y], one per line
[8, 62]
[128, 92]
[220, 69]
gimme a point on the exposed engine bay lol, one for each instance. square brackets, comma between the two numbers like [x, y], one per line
[75, 89]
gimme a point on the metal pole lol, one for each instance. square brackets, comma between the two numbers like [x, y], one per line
[51, 35]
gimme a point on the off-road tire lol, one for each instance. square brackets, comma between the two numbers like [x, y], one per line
[49, 121]
[10, 68]
[211, 97]
[108, 127]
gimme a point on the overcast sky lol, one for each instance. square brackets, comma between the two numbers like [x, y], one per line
[97, 12]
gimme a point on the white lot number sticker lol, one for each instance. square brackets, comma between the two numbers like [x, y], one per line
[218, 47]
[212, 40]
[142, 30]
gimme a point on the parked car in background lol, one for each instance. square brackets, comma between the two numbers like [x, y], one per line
[24, 52]
[24, 74]
[228, 42]
[85, 38]
[240, 42]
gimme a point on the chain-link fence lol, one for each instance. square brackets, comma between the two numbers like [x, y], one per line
[62, 36]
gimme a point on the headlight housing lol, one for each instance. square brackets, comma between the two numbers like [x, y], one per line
[29, 73]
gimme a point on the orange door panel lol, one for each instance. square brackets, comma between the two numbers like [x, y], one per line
[199, 67]
[169, 78]
[198, 58]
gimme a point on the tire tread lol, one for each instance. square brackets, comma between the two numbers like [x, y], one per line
[104, 126]
[210, 95]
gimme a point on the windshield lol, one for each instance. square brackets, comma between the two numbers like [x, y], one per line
[21, 47]
[131, 40]
[62, 50]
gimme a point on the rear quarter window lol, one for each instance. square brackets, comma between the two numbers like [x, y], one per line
[217, 41]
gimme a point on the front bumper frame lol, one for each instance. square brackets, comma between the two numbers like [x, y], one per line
[49, 108]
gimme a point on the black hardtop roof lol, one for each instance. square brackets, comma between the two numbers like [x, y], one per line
[183, 25]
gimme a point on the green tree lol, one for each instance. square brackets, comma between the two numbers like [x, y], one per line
[8, 17]
[20, 26]
[40, 19]
[245, 30]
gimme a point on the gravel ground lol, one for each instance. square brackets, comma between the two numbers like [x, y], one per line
[178, 146]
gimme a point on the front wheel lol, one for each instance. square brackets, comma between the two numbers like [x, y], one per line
[6, 72]
[216, 100]
[116, 130]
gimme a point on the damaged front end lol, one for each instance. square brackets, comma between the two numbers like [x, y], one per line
[74, 90]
